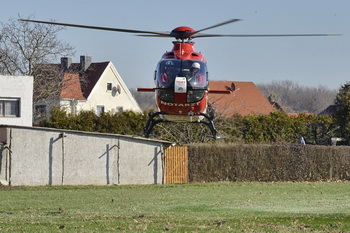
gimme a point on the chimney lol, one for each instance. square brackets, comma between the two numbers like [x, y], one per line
[65, 63]
[85, 62]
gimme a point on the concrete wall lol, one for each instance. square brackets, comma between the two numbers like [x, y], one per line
[41, 156]
[18, 87]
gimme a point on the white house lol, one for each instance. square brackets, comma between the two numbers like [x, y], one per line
[94, 86]
[16, 100]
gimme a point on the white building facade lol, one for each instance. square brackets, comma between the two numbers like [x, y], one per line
[108, 94]
[16, 100]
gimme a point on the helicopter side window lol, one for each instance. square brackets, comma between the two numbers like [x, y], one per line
[195, 95]
[196, 74]
[167, 71]
[197, 78]
[166, 95]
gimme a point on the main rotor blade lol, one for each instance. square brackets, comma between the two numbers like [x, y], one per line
[260, 35]
[154, 35]
[216, 25]
[98, 27]
[194, 34]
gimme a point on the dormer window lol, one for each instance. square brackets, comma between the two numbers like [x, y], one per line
[109, 86]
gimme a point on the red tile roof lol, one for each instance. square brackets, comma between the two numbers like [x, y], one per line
[246, 99]
[79, 88]
[71, 88]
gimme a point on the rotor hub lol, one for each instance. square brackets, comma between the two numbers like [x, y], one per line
[182, 32]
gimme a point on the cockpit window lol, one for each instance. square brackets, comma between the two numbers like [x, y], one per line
[195, 73]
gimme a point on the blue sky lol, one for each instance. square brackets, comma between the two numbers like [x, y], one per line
[309, 61]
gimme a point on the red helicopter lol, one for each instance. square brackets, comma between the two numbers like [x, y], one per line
[181, 75]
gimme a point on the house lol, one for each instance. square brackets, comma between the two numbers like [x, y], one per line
[16, 100]
[330, 110]
[93, 86]
[245, 99]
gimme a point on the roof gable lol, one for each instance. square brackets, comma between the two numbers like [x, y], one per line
[92, 75]
[246, 99]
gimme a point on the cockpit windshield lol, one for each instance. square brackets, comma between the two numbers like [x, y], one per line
[194, 71]
[181, 76]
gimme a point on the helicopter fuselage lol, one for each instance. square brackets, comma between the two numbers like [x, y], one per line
[181, 81]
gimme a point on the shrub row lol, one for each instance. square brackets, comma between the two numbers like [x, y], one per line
[279, 162]
[272, 128]
[127, 122]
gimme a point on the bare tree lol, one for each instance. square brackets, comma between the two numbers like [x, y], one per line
[31, 49]
[295, 98]
[25, 45]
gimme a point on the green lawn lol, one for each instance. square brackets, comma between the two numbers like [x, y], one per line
[243, 207]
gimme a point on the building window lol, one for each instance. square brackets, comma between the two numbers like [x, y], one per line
[119, 109]
[100, 109]
[9, 107]
[109, 86]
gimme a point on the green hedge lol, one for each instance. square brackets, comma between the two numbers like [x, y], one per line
[126, 122]
[280, 162]
[276, 127]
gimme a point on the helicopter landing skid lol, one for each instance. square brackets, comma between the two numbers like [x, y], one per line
[151, 122]
[210, 124]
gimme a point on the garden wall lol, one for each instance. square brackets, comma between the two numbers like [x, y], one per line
[44, 156]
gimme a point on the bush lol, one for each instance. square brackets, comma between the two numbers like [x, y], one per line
[272, 128]
[127, 122]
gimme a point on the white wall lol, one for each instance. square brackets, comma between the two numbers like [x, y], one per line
[18, 87]
[41, 156]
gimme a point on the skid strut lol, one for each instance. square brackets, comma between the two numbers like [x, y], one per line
[209, 123]
[151, 122]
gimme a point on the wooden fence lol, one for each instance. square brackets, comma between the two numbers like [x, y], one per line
[176, 165]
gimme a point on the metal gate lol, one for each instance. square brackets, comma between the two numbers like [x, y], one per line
[176, 165]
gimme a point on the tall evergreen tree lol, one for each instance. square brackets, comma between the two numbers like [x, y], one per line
[342, 112]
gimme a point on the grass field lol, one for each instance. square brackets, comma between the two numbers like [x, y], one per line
[235, 207]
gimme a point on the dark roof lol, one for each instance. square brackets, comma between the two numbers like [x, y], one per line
[246, 99]
[330, 110]
[92, 75]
